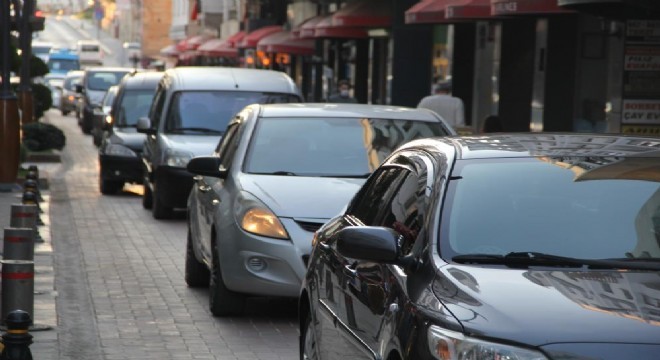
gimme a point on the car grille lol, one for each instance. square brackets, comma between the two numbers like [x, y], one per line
[309, 226]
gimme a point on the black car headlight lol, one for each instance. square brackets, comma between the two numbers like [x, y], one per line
[451, 345]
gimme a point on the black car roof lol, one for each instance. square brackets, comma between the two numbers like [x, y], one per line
[543, 144]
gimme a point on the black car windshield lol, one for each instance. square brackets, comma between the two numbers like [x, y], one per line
[578, 207]
[101, 81]
[204, 112]
[135, 104]
[70, 82]
[341, 147]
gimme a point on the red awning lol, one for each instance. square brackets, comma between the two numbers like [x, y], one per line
[426, 12]
[515, 7]
[192, 43]
[467, 9]
[307, 28]
[222, 47]
[188, 55]
[326, 29]
[364, 13]
[169, 50]
[285, 42]
[251, 39]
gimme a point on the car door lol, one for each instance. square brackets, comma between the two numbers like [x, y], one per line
[208, 190]
[374, 292]
[150, 149]
[337, 318]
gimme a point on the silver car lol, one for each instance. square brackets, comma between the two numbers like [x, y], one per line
[279, 173]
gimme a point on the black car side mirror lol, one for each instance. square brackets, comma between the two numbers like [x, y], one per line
[207, 166]
[370, 243]
[79, 88]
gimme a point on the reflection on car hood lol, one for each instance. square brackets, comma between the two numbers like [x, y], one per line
[198, 145]
[301, 197]
[128, 137]
[543, 307]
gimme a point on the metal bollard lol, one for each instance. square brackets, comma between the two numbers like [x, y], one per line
[17, 339]
[18, 244]
[30, 198]
[25, 216]
[33, 186]
[17, 286]
[35, 169]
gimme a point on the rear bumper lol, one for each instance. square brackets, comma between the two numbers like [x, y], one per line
[121, 168]
[173, 185]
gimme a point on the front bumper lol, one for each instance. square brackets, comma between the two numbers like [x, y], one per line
[121, 168]
[253, 264]
[172, 186]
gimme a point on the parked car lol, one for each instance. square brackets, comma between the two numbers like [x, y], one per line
[278, 174]
[192, 107]
[121, 147]
[509, 246]
[101, 113]
[96, 81]
[70, 98]
[63, 61]
[55, 83]
[90, 52]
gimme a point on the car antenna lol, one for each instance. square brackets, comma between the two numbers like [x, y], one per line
[235, 82]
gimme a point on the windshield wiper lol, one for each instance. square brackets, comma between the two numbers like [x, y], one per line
[529, 258]
[347, 176]
[280, 173]
[198, 129]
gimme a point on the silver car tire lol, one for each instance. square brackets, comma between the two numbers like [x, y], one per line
[222, 301]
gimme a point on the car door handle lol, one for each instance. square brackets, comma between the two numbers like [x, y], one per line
[198, 177]
[204, 188]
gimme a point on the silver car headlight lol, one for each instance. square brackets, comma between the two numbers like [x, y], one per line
[178, 158]
[119, 150]
[450, 345]
[256, 218]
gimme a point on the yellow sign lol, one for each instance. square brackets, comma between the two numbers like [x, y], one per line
[640, 129]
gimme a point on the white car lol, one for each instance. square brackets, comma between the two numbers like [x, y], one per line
[90, 52]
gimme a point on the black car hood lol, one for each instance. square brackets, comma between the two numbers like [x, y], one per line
[128, 137]
[546, 307]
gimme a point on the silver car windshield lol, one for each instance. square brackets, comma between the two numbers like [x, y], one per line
[342, 147]
[581, 207]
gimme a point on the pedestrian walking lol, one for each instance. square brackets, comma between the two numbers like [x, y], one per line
[344, 93]
[449, 107]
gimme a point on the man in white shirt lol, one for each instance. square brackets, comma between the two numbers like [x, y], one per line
[450, 108]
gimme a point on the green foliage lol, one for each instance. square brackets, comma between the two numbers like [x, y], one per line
[43, 99]
[40, 137]
[38, 67]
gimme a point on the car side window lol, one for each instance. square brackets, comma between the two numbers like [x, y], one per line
[228, 145]
[372, 198]
[157, 106]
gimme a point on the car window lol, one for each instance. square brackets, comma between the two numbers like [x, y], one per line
[109, 97]
[157, 106]
[71, 82]
[369, 202]
[134, 104]
[345, 147]
[554, 206]
[102, 81]
[228, 145]
[210, 111]
[63, 64]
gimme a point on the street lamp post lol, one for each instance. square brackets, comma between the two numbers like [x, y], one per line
[24, 90]
[9, 116]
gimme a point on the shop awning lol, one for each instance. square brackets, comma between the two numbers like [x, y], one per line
[426, 12]
[326, 29]
[467, 9]
[306, 28]
[285, 42]
[192, 43]
[222, 47]
[364, 13]
[521, 7]
[169, 50]
[251, 39]
[187, 55]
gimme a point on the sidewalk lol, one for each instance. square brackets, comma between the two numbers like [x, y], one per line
[45, 339]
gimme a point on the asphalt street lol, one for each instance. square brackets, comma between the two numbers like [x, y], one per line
[118, 290]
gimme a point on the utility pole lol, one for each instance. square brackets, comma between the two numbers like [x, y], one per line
[24, 90]
[9, 116]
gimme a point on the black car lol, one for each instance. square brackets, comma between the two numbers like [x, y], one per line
[509, 246]
[95, 82]
[121, 145]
